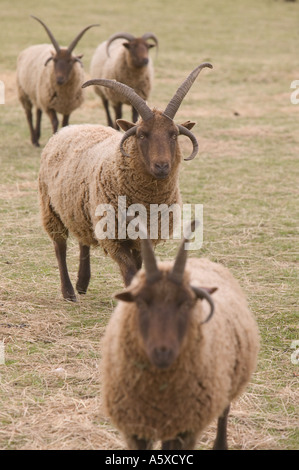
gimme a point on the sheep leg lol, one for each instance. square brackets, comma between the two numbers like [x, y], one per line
[84, 269]
[27, 105]
[134, 114]
[65, 120]
[66, 285]
[137, 258]
[34, 140]
[38, 122]
[106, 106]
[221, 437]
[185, 441]
[118, 113]
[134, 443]
[126, 262]
[53, 118]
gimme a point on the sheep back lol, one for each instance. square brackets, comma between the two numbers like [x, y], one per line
[215, 363]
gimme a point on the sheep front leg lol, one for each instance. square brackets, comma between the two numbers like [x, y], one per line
[134, 114]
[37, 126]
[127, 261]
[221, 437]
[134, 443]
[84, 269]
[65, 120]
[185, 441]
[53, 118]
[66, 285]
[106, 106]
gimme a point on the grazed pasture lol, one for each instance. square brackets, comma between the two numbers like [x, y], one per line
[246, 176]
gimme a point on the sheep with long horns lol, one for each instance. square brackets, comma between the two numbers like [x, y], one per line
[127, 62]
[87, 166]
[180, 346]
[50, 80]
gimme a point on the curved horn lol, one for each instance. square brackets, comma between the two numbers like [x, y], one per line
[79, 36]
[177, 272]
[127, 36]
[124, 90]
[152, 272]
[152, 36]
[53, 40]
[203, 294]
[184, 131]
[180, 94]
[129, 132]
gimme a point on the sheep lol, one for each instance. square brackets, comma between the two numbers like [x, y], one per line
[50, 80]
[170, 365]
[128, 63]
[84, 166]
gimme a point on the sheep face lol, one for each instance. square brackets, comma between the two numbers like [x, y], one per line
[163, 316]
[63, 65]
[156, 141]
[138, 52]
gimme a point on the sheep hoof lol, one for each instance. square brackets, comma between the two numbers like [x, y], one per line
[71, 299]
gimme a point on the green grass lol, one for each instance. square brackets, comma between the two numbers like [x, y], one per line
[246, 176]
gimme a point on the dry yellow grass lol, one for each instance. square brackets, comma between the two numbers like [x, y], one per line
[246, 176]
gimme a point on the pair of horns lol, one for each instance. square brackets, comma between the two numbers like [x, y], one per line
[143, 109]
[130, 37]
[153, 274]
[55, 43]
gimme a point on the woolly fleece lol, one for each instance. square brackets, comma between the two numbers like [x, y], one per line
[117, 67]
[37, 84]
[82, 167]
[215, 364]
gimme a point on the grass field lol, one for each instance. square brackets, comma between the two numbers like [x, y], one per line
[246, 177]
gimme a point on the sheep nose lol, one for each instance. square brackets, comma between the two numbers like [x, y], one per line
[163, 167]
[59, 80]
[145, 61]
[162, 357]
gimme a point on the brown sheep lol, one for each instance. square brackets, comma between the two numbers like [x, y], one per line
[85, 166]
[127, 62]
[50, 80]
[170, 365]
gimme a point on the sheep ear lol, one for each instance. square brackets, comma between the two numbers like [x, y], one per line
[209, 290]
[188, 124]
[125, 125]
[125, 296]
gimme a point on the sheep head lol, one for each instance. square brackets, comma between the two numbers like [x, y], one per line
[137, 47]
[63, 58]
[156, 133]
[164, 302]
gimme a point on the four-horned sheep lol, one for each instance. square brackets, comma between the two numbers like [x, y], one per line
[50, 80]
[179, 347]
[84, 166]
[127, 62]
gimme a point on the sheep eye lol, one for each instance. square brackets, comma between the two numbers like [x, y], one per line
[142, 136]
[174, 136]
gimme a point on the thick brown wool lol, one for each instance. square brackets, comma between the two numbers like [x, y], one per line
[37, 81]
[118, 67]
[82, 167]
[216, 362]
